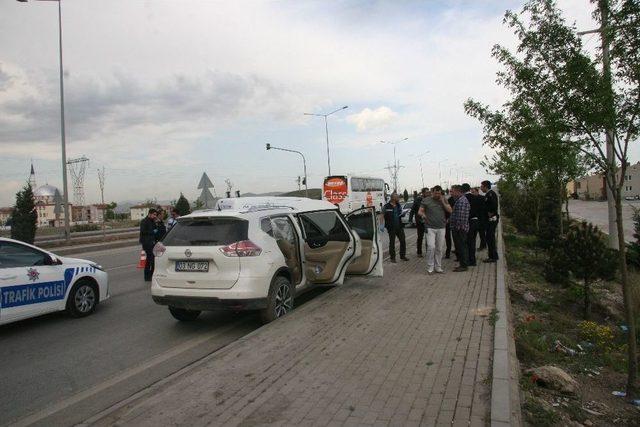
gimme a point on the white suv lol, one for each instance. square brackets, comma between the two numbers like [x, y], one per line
[259, 253]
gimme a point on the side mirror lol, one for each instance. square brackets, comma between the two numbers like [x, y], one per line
[51, 260]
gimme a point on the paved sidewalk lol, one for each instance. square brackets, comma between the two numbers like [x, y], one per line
[407, 349]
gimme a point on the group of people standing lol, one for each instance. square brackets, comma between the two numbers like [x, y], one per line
[152, 231]
[458, 217]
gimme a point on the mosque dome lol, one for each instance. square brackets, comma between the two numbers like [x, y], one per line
[45, 191]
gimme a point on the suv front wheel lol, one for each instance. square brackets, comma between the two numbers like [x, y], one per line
[279, 300]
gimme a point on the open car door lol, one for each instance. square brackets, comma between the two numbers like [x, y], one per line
[328, 247]
[364, 223]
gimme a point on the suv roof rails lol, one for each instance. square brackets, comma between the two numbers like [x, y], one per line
[266, 208]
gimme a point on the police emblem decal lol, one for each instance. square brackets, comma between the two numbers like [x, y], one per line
[33, 274]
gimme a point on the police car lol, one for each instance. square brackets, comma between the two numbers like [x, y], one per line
[35, 282]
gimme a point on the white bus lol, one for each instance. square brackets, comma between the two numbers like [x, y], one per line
[353, 192]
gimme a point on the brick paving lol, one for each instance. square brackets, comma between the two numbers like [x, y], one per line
[406, 349]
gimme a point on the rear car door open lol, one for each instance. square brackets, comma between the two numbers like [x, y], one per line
[363, 222]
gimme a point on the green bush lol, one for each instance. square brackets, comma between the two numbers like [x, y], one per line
[588, 258]
[84, 227]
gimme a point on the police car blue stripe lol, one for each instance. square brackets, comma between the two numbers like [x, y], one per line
[14, 296]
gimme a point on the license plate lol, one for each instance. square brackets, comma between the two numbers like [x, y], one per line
[192, 266]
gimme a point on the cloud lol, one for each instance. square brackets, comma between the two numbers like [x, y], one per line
[369, 119]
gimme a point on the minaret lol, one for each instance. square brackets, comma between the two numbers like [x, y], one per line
[32, 178]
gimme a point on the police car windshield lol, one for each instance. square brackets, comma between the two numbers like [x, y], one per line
[207, 232]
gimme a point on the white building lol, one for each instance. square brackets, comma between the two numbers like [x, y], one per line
[631, 186]
[44, 198]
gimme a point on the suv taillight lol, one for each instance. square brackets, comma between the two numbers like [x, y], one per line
[241, 249]
[159, 250]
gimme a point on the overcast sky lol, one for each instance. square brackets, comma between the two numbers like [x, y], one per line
[158, 91]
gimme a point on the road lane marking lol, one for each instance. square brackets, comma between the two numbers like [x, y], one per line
[154, 361]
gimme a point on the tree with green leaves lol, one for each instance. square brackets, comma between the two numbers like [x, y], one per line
[574, 104]
[25, 217]
[182, 205]
[197, 204]
[111, 213]
[405, 195]
[588, 258]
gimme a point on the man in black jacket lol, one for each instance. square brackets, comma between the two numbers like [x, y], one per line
[491, 206]
[148, 241]
[392, 222]
[476, 203]
[417, 202]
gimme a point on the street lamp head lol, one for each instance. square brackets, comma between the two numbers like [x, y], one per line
[268, 146]
[345, 107]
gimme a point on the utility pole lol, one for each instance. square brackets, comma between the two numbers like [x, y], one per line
[299, 181]
[104, 210]
[396, 163]
[610, 176]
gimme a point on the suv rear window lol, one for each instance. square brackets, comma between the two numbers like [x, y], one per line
[207, 232]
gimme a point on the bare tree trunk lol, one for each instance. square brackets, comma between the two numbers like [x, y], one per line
[628, 302]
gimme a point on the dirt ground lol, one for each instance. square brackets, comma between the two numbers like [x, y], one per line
[546, 314]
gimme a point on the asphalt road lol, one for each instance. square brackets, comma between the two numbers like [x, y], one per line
[59, 371]
[596, 213]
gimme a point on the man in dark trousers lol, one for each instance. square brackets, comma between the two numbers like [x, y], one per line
[417, 202]
[447, 235]
[459, 223]
[148, 241]
[491, 206]
[482, 223]
[475, 203]
[395, 228]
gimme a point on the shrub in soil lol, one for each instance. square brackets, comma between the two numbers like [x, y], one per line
[587, 258]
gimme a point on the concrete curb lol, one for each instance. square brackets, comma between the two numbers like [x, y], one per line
[505, 389]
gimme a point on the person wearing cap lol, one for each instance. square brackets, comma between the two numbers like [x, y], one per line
[148, 240]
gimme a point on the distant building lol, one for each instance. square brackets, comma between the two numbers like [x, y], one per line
[5, 214]
[138, 212]
[45, 207]
[592, 187]
[631, 185]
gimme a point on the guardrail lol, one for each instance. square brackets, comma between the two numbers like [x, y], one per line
[81, 234]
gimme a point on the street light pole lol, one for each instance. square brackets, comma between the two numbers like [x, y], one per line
[304, 164]
[326, 130]
[65, 187]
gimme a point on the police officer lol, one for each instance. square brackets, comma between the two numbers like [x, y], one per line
[395, 228]
[148, 232]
